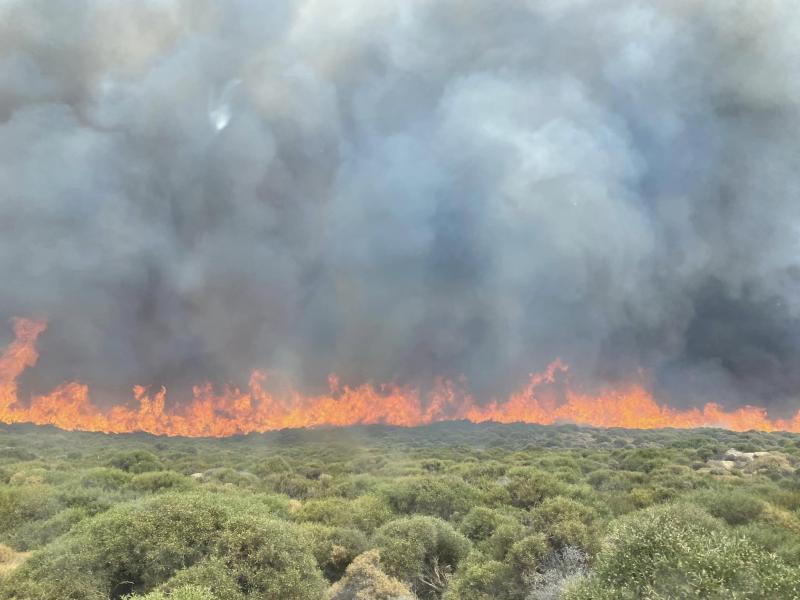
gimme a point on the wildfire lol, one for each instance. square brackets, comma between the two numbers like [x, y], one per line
[256, 409]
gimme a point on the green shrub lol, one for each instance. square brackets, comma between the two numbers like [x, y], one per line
[370, 512]
[498, 544]
[294, 486]
[55, 573]
[529, 486]
[210, 573]
[270, 559]
[644, 460]
[328, 511]
[158, 481]
[480, 523]
[642, 497]
[679, 551]
[16, 454]
[29, 476]
[353, 486]
[228, 476]
[565, 522]
[36, 533]
[606, 480]
[494, 495]
[443, 496]
[479, 578]
[334, 548]
[132, 547]
[783, 542]
[22, 505]
[734, 506]
[135, 461]
[185, 592]
[105, 478]
[255, 504]
[273, 464]
[92, 500]
[556, 509]
[527, 554]
[419, 549]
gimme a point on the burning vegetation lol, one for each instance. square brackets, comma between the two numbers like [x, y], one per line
[256, 409]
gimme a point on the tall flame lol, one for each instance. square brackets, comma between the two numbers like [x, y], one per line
[256, 409]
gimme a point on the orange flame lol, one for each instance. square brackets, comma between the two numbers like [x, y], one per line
[256, 409]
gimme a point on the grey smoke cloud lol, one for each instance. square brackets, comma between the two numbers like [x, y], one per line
[193, 189]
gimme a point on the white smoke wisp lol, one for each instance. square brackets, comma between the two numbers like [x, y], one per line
[219, 105]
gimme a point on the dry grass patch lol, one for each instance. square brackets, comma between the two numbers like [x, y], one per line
[10, 560]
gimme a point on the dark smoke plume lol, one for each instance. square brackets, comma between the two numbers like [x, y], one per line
[191, 189]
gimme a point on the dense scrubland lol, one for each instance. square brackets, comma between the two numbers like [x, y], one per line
[447, 511]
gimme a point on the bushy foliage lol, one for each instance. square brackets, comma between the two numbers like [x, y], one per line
[529, 486]
[105, 478]
[606, 480]
[185, 592]
[566, 522]
[454, 511]
[269, 559]
[135, 461]
[370, 512]
[32, 476]
[334, 548]
[421, 551]
[24, 504]
[440, 496]
[486, 578]
[680, 551]
[481, 522]
[734, 506]
[157, 481]
[480, 578]
[211, 573]
[141, 545]
[527, 554]
[133, 546]
[328, 511]
[36, 533]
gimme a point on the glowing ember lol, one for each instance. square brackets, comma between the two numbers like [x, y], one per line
[256, 409]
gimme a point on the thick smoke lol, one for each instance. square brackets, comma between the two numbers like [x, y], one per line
[191, 189]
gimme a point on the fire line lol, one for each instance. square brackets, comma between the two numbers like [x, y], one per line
[256, 409]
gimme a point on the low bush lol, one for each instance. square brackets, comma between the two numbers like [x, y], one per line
[334, 548]
[733, 506]
[185, 592]
[529, 486]
[158, 481]
[680, 551]
[454, 511]
[210, 573]
[270, 558]
[135, 461]
[422, 552]
[440, 496]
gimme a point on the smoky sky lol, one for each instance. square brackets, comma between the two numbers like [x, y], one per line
[405, 190]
